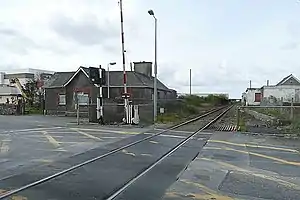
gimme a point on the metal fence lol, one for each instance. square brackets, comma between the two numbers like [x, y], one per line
[269, 119]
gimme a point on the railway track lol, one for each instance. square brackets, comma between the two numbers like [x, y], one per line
[117, 169]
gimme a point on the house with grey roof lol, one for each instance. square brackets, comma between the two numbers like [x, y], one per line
[285, 91]
[61, 89]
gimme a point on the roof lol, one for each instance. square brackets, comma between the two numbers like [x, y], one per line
[58, 79]
[6, 90]
[285, 79]
[134, 79]
[252, 89]
[19, 75]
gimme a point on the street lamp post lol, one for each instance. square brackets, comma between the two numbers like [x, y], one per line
[112, 63]
[151, 12]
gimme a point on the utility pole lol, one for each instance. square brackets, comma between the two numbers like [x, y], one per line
[151, 12]
[190, 81]
[124, 69]
[250, 84]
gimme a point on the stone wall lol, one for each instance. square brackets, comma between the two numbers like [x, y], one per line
[262, 117]
[8, 109]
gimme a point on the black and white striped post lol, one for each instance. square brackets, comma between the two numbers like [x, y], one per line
[100, 100]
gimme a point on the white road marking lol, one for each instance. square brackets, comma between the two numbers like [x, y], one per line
[87, 135]
[34, 129]
[106, 131]
[53, 141]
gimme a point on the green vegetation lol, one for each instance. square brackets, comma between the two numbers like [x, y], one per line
[242, 125]
[189, 106]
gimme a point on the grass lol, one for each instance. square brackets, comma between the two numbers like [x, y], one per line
[33, 111]
[242, 125]
[189, 106]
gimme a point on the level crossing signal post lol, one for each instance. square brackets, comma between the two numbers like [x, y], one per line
[98, 76]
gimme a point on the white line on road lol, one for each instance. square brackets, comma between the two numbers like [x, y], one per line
[54, 142]
[87, 135]
[33, 129]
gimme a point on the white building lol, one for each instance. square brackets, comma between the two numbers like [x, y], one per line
[24, 75]
[252, 97]
[9, 94]
[286, 90]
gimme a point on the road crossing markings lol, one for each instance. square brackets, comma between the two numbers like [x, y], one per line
[4, 146]
[86, 134]
[211, 194]
[146, 154]
[106, 131]
[253, 173]
[255, 146]
[257, 154]
[34, 129]
[53, 141]
[128, 153]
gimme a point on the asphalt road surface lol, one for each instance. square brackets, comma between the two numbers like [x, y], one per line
[30, 141]
[212, 166]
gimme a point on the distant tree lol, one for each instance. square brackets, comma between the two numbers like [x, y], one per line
[31, 91]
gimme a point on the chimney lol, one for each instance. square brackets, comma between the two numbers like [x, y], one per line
[267, 82]
[143, 68]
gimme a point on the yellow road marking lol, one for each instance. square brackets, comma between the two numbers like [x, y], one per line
[153, 142]
[255, 146]
[254, 173]
[259, 155]
[211, 193]
[53, 141]
[15, 197]
[18, 198]
[128, 153]
[87, 135]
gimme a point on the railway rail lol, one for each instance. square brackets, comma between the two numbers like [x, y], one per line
[206, 119]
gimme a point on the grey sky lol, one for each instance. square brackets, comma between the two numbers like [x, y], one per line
[225, 43]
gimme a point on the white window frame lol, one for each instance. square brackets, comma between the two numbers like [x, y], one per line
[62, 99]
[83, 98]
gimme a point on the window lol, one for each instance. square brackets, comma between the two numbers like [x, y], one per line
[83, 99]
[62, 99]
[257, 97]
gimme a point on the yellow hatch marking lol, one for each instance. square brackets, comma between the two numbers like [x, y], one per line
[87, 135]
[211, 194]
[18, 198]
[254, 173]
[254, 146]
[51, 139]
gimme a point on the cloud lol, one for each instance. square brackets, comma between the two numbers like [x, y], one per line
[86, 31]
[290, 46]
[16, 42]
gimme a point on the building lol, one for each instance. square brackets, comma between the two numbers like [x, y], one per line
[9, 94]
[64, 87]
[285, 91]
[25, 75]
[252, 97]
